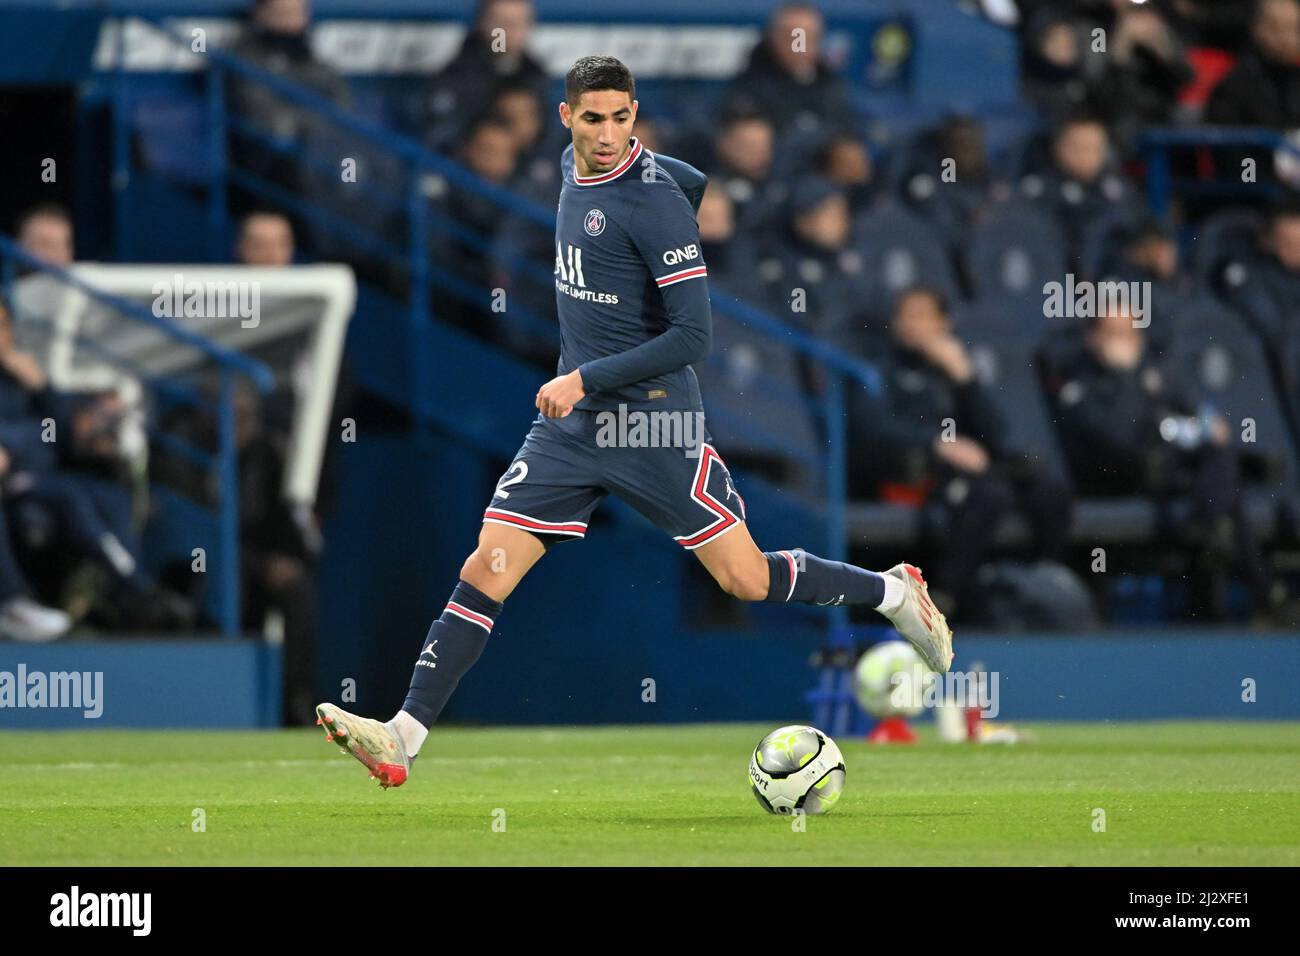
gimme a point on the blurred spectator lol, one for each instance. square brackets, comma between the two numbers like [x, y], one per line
[1054, 76]
[519, 106]
[1120, 61]
[743, 169]
[1079, 188]
[1148, 253]
[277, 559]
[953, 204]
[649, 133]
[80, 485]
[727, 254]
[493, 56]
[277, 556]
[1143, 70]
[22, 618]
[489, 151]
[846, 161]
[45, 231]
[1264, 88]
[1265, 287]
[276, 39]
[265, 239]
[1211, 23]
[968, 477]
[812, 274]
[1131, 424]
[787, 79]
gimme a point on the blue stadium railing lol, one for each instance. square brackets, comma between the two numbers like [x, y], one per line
[1158, 144]
[418, 161]
[229, 364]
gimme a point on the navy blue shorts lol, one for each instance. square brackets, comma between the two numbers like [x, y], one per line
[567, 465]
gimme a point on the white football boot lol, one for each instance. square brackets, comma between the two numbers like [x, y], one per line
[918, 620]
[370, 741]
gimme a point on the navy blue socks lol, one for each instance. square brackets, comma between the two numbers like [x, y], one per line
[798, 577]
[454, 643]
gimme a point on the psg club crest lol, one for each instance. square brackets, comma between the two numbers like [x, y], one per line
[595, 222]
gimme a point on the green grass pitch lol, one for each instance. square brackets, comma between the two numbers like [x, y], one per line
[1201, 793]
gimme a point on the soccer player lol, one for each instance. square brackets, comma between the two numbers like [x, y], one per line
[633, 305]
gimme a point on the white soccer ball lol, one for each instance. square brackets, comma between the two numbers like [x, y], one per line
[889, 680]
[796, 768]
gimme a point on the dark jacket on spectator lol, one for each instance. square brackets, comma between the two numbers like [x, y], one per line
[765, 88]
[21, 416]
[901, 426]
[1109, 420]
[1257, 93]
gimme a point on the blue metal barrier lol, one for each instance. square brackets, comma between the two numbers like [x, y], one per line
[1157, 144]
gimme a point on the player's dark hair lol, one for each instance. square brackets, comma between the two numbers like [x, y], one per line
[42, 210]
[597, 73]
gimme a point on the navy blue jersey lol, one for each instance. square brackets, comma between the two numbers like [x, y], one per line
[630, 282]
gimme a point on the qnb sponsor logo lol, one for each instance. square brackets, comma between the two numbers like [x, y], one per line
[1087, 300]
[962, 689]
[677, 256]
[178, 299]
[76, 690]
[637, 429]
[75, 908]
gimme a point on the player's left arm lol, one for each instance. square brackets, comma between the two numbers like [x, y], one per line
[663, 225]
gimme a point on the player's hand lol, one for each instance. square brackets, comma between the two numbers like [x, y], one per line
[557, 397]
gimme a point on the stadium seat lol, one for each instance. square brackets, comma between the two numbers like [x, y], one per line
[1008, 367]
[758, 411]
[1103, 241]
[901, 249]
[1012, 321]
[1227, 363]
[1014, 253]
[1226, 235]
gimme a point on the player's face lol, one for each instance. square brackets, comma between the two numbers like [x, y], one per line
[601, 122]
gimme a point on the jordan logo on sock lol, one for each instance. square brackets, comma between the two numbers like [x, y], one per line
[429, 650]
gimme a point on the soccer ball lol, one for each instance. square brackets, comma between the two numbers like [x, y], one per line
[796, 768]
[879, 691]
